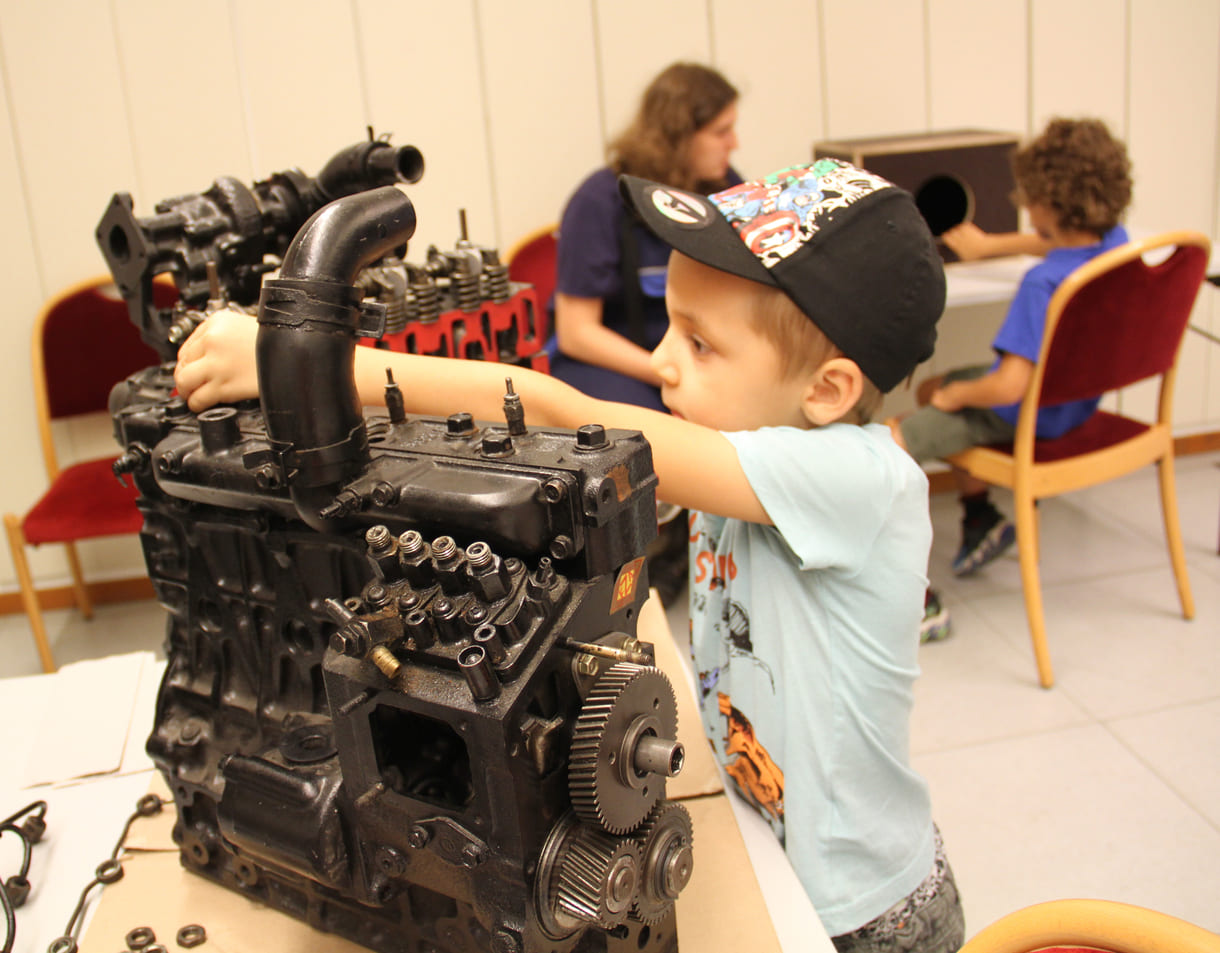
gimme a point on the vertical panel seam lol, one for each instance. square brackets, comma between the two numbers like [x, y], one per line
[1029, 67]
[244, 87]
[361, 71]
[484, 92]
[1127, 69]
[927, 65]
[599, 76]
[125, 97]
[824, 69]
[22, 179]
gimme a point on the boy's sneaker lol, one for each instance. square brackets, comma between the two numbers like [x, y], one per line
[935, 625]
[983, 539]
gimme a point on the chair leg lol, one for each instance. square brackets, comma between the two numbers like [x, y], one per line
[83, 600]
[29, 596]
[1031, 584]
[1173, 533]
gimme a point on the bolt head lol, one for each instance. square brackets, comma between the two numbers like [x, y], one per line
[591, 437]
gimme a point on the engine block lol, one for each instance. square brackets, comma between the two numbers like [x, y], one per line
[404, 698]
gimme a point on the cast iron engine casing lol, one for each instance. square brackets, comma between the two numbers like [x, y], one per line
[374, 669]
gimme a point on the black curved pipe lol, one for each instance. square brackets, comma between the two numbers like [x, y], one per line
[306, 344]
[367, 165]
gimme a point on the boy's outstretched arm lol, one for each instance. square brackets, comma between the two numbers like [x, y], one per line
[696, 466]
[970, 242]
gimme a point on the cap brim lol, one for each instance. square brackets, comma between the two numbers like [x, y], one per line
[691, 224]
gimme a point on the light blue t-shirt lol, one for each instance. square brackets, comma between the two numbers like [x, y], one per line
[805, 638]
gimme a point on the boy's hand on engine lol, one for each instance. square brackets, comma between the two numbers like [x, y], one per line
[216, 364]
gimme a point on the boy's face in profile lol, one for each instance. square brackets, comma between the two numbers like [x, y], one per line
[715, 368]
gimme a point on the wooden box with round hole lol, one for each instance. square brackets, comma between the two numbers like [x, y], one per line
[960, 176]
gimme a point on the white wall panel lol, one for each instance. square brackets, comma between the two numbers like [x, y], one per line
[636, 39]
[875, 64]
[776, 63]
[181, 84]
[1175, 82]
[977, 57]
[424, 79]
[1078, 61]
[71, 128]
[299, 70]
[541, 87]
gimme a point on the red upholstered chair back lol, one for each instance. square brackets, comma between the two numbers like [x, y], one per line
[1120, 323]
[88, 344]
[532, 260]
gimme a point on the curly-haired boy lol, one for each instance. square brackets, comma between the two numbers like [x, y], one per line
[1075, 182]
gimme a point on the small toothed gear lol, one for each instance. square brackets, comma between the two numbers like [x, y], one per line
[598, 877]
[665, 840]
[624, 745]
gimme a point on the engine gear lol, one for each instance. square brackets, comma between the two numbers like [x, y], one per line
[623, 747]
[665, 840]
[598, 877]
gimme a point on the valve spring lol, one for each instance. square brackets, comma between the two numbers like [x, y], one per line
[468, 295]
[495, 283]
[395, 315]
[426, 297]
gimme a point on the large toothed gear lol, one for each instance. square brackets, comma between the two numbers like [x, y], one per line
[665, 840]
[624, 746]
[598, 878]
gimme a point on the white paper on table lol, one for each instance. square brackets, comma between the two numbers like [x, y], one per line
[85, 719]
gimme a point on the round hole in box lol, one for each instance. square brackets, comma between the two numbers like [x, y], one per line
[944, 201]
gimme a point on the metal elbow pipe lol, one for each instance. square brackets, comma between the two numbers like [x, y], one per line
[368, 165]
[308, 319]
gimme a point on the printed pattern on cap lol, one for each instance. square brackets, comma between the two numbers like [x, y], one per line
[780, 213]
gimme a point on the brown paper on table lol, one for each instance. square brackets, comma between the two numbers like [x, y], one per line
[721, 909]
[699, 775]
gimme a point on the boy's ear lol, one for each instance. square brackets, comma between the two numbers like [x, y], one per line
[832, 391]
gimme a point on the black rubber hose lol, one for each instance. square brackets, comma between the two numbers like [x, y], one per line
[368, 165]
[306, 344]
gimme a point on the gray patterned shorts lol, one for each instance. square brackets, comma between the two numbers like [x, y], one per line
[930, 920]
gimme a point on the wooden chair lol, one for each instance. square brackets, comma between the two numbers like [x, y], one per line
[532, 260]
[83, 343]
[1113, 322]
[1091, 925]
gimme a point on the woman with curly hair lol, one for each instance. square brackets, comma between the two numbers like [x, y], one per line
[1075, 182]
[609, 306]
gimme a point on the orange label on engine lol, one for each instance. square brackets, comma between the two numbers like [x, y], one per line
[626, 583]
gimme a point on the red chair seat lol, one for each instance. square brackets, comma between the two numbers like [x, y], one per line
[1100, 431]
[86, 501]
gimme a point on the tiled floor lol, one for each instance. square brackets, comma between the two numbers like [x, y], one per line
[1106, 786]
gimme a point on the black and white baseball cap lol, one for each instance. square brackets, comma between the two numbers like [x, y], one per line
[849, 248]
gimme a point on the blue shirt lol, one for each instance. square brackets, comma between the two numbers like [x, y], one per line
[1023, 328]
[805, 638]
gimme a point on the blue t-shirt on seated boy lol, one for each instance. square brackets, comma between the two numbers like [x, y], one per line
[1023, 327]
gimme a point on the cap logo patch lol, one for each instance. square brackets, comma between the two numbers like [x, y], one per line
[681, 208]
[777, 215]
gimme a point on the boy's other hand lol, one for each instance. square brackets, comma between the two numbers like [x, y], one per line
[216, 364]
[947, 398]
[968, 241]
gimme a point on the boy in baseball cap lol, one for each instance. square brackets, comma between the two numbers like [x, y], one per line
[795, 301]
